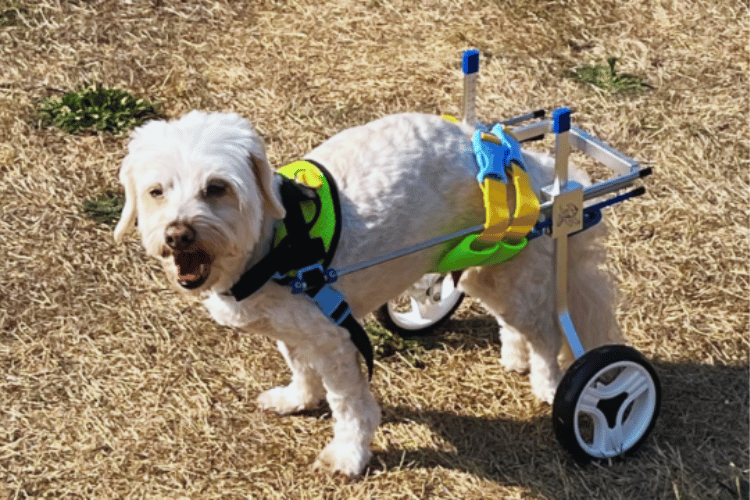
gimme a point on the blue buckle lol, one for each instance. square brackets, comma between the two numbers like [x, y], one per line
[320, 276]
[332, 304]
[328, 299]
[493, 159]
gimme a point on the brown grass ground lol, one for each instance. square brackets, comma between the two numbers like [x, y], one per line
[111, 387]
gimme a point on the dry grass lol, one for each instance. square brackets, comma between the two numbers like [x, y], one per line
[111, 387]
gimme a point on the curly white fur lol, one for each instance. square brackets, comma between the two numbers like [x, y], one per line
[402, 179]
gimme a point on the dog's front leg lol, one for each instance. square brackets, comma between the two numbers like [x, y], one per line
[356, 414]
[305, 392]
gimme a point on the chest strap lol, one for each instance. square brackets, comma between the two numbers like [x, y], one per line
[301, 260]
[293, 251]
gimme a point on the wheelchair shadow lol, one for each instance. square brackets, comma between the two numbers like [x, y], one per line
[697, 449]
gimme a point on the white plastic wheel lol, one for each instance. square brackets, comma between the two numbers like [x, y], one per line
[607, 403]
[428, 302]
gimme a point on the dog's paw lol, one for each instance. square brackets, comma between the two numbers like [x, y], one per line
[514, 351]
[544, 390]
[343, 458]
[286, 400]
[514, 363]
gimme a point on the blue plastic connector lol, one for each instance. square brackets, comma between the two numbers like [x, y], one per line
[332, 304]
[561, 120]
[316, 273]
[471, 61]
[494, 159]
[331, 275]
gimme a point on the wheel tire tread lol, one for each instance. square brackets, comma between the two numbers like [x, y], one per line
[573, 383]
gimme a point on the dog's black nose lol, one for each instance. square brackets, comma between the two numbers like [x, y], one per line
[179, 236]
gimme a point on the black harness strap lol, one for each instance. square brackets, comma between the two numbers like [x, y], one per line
[298, 250]
[337, 210]
[342, 316]
[361, 341]
[295, 251]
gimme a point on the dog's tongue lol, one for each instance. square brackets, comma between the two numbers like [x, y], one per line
[189, 265]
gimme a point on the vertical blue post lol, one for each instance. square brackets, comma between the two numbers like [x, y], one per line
[561, 126]
[470, 68]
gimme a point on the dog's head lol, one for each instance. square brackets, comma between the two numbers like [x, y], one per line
[199, 188]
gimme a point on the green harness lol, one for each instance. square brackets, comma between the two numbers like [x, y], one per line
[319, 211]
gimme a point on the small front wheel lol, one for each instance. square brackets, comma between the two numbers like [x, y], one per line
[422, 307]
[606, 404]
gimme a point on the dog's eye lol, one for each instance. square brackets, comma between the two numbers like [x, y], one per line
[215, 189]
[156, 192]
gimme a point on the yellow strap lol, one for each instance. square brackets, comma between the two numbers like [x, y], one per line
[500, 224]
[491, 138]
[496, 210]
[526, 213]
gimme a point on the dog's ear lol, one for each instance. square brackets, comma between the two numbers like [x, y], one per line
[128, 218]
[269, 189]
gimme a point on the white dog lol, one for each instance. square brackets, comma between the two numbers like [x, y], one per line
[206, 201]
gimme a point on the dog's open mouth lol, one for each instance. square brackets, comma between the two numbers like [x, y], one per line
[193, 268]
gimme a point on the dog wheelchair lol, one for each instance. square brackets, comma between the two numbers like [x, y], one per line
[608, 400]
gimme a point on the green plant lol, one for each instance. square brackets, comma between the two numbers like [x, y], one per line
[605, 77]
[94, 109]
[104, 209]
[386, 344]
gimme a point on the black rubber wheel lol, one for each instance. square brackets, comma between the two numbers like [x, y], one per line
[606, 404]
[432, 301]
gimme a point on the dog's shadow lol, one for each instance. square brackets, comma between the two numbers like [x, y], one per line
[693, 448]
[491, 448]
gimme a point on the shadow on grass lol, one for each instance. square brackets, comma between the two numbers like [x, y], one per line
[698, 449]
[462, 334]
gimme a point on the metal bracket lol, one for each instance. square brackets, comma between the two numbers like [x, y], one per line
[567, 209]
[567, 218]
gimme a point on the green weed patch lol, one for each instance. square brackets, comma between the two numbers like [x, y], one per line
[95, 109]
[386, 344]
[606, 78]
[104, 209]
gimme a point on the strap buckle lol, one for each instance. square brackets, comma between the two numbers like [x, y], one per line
[329, 300]
[332, 304]
[311, 277]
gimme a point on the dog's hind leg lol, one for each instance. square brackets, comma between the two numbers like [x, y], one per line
[592, 292]
[520, 294]
[305, 392]
[356, 414]
[514, 349]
